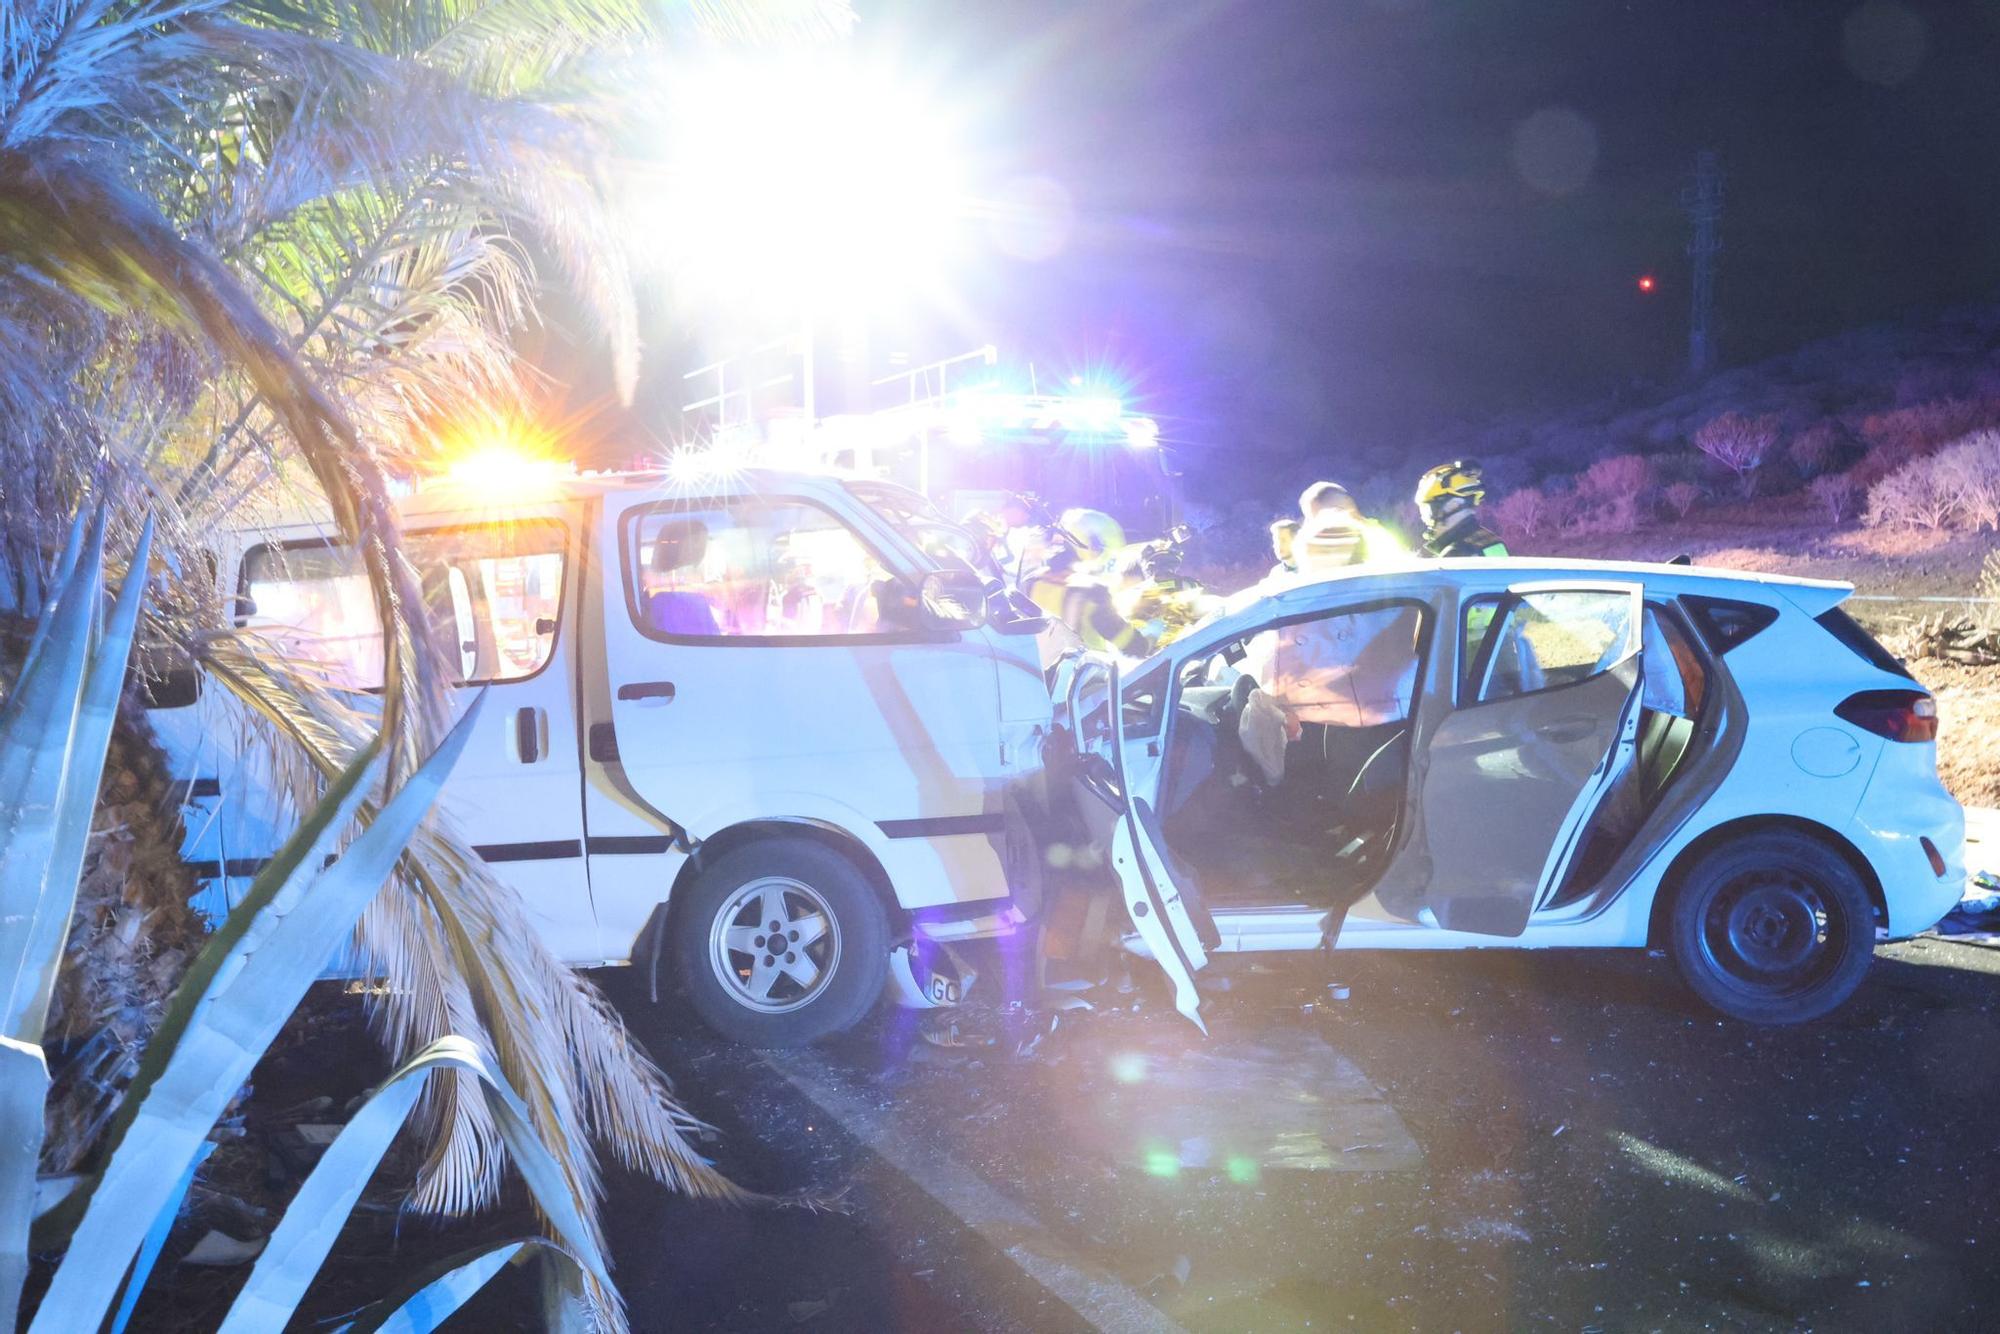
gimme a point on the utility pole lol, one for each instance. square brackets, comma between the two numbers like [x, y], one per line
[1702, 202]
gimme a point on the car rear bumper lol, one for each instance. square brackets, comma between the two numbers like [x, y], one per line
[1904, 806]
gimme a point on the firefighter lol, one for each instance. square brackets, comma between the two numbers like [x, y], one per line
[1098, 537]
[1069, 593]
[1334, 533]
[1162, 602]
[1015, 535]
[1284, 540]
[1449, 497]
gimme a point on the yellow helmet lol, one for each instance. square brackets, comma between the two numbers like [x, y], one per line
[1094, 530]
[1460, 478]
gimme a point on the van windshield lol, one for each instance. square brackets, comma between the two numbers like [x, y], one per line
[949, 545]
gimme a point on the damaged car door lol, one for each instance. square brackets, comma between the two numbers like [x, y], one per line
[1544, 720]
[1161, 899]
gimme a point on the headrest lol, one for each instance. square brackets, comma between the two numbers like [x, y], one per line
[679, 544]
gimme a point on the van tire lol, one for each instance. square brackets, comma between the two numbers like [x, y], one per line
[822, 987]
[1774, 928]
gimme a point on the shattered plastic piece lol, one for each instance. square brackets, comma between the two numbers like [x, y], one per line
[1336, 991]
[1982, 895]
[219, 1248]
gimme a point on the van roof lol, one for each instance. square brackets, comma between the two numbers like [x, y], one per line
[446, 496]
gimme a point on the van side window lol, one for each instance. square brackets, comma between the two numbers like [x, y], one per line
[753, 568]
[493, 593]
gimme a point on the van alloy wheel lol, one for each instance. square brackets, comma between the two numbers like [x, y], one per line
[774, 945]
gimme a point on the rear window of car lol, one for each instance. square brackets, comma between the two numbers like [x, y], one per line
[1859, 642]
[1726, 623]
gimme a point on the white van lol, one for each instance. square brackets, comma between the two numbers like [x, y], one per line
[752, 702]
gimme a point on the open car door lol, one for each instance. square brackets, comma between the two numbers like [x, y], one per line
[1160, 898]
[1545, 720]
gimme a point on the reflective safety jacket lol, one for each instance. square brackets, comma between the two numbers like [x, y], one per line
[1468, 537]
[1087, 608]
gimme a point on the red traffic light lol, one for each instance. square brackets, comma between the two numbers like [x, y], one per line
[1646, 283]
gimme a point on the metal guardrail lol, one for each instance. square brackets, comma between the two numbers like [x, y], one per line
[1924, 597]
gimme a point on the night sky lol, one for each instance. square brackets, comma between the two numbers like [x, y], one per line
[1295, 226]
[1297, 222]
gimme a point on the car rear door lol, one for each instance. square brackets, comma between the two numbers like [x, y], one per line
[1544, 718]
[1159, 897]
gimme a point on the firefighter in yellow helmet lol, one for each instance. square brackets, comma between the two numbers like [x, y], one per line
[1074, 584]
[1449, 497]
[1097, 536]
[1083, 602]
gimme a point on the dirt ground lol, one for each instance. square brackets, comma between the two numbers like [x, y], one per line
[1968, 728]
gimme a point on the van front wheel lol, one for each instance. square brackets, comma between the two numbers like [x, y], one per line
[781, 942]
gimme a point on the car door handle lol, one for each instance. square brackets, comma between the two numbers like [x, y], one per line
[651, 693]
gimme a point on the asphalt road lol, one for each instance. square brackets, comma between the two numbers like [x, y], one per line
[1503, 1141]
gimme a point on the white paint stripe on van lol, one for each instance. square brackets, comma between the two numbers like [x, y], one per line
[1106, 1302]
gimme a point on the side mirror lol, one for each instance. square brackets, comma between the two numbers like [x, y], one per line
[953, 600]
[1018, 614]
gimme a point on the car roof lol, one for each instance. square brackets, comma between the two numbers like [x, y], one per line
[1416, 576]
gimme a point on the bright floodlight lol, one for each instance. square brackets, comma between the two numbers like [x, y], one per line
[804, 184]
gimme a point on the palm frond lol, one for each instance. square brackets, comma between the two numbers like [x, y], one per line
[82, 231]
[455, 953]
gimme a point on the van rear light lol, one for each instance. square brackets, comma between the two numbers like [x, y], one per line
[1899, 715]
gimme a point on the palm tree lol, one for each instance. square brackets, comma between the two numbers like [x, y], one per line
[255, 247]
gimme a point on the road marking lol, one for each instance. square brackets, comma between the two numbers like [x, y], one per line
[1106, 1302]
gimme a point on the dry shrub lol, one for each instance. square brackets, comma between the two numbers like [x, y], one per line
[1957, 487]
[1835, 493]
[1820, 449]
[1612, 490]
[1519, 513]
[1739, 443]
[1970, 470]
[1919, 429]
[1682, 497]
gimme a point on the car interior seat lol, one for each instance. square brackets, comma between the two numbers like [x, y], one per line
[678, 546]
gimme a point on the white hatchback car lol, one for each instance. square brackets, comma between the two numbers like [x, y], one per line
[1525, 753]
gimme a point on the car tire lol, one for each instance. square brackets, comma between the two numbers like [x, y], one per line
[1773, 928]
[822, 982]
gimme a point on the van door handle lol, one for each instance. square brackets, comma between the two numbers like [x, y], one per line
[527, 735]
[660, 691]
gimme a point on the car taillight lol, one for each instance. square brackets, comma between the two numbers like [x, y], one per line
[1899, 715]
